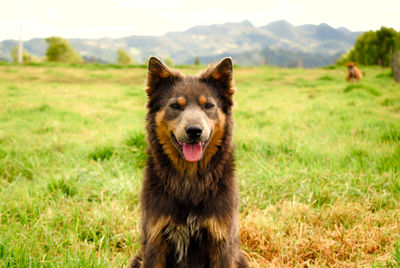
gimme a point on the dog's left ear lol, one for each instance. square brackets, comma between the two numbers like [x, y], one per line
[158, 73]
[222, 75]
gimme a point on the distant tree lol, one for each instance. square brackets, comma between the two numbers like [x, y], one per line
[196, 61]
[26, 57]
[374, 48]
[61, 51]
[124, 58]
[388, 43]
[168, 61]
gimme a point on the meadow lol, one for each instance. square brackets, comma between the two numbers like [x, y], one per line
[318, 165]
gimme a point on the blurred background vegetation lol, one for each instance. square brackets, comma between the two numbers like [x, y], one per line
[374, 48]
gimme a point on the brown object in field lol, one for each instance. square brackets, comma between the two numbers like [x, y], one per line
[396, 66]
[353, 73]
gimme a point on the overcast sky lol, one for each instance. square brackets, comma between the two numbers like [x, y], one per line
[118, 18]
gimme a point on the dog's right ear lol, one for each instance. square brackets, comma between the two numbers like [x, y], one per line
[157, 73]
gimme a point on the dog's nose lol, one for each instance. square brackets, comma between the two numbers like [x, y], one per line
[194, 132]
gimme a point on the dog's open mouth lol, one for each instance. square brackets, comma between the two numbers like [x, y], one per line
[192, 152]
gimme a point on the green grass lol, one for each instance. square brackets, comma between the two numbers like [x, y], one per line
[312, 150]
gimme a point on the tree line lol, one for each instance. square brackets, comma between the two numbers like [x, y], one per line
[374, 48]
[371, 48]
[59, 50]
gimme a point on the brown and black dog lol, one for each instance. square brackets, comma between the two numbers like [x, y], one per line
[353, 73]
[189, 198]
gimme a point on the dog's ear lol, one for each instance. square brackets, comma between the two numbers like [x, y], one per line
[222, 75]
[157, 73]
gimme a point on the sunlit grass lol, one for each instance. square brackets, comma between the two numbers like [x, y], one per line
[318, 164]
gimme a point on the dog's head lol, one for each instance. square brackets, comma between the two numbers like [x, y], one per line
[351, 65]
[189, 112]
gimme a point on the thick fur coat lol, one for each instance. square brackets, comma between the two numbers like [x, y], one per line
[189, 199]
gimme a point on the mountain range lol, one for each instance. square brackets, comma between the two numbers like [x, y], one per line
[280, 42]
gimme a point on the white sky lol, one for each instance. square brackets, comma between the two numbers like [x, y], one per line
[118, 18]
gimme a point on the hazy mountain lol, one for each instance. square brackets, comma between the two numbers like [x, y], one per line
[280, 41]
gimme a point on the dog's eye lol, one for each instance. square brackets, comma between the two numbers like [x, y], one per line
[174, 106]
[209, 105]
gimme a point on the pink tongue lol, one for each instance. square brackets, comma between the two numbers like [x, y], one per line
[192, 151]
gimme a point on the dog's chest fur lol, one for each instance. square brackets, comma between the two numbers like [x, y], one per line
[181, 234]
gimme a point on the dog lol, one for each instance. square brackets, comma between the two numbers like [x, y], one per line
[189, 199]
[353, 73]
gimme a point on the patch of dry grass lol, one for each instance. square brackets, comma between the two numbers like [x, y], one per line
[292, 234]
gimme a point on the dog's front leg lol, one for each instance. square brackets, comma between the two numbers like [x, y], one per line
[154, 257]
[221, 256]
[155, 246]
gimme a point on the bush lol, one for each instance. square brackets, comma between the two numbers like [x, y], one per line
[60, 50]
[373, 48]
[124, 58]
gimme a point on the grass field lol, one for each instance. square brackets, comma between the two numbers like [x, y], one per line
[318, 165]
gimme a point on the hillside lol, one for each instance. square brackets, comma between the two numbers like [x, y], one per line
[317, 45]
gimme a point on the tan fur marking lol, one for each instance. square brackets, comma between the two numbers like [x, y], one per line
[159, 117]
[164, 137]
[164, 73]
[216, 75]
[181, 101]
[158, 71]
[161, 262]
[155, 228]
[202, 100]
[221, 71]
[217, 228]
[219, 231]
[215, 140]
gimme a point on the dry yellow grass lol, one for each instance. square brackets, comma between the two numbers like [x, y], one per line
[291, 234]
